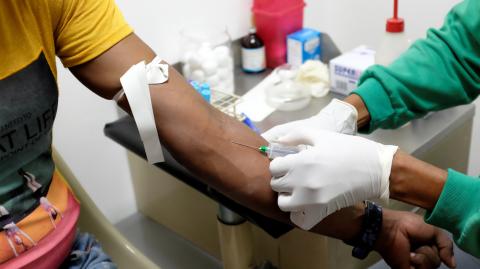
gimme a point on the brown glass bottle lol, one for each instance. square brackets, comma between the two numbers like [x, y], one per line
[253, 53]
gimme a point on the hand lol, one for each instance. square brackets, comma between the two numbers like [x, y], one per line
[338, 171]
[406, 241]
[425, 257]
[337, 116]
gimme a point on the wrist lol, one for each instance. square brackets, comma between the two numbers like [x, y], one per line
[385, 237]
[415, 182]
[363, 117]
[365, 242]
[343, 115]
[345, 225]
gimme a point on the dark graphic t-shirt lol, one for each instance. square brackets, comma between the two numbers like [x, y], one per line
[37, 210]
[28, 103]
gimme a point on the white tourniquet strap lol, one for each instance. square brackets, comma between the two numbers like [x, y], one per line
[135, 86]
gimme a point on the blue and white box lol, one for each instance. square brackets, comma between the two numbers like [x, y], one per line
[303, 45]
[346, 69]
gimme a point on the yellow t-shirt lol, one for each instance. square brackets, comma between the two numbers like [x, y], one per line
[32, 33]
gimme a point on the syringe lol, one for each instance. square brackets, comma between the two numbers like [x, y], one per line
[274, 150]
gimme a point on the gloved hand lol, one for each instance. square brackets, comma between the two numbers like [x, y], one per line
[338, 171]
[337, 116]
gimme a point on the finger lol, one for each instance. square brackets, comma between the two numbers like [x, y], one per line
[298, 137]
[274, 133]
[280, 184]
[425, 257]
[285, 203]
[425, 233]
[418, 261]
[281, 165]
[445, 248]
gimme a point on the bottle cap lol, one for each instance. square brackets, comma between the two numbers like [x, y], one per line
[205, 86]
[395, 24]
[252, 30]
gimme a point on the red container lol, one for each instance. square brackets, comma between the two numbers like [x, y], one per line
[274, 20]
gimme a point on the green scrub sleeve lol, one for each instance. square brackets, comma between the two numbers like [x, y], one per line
[458, 211]
[437, 72]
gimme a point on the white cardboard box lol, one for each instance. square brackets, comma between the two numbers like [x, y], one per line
[346, 69]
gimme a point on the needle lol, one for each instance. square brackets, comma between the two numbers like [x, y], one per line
[244, 145]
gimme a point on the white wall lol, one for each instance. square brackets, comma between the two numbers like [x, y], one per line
[354, 22]
[349, 27]
[101, 164]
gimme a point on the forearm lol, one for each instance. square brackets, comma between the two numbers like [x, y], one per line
[411, 180]
[416, 182]
[200, 138]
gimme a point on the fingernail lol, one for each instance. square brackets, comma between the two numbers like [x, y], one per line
[412, 255]
[454, 262]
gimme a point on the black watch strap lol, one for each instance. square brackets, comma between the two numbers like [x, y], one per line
[371, 226]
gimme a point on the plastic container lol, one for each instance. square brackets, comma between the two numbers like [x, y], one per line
[274, 20]
[287, 94]
[394, 42]
[207, 57]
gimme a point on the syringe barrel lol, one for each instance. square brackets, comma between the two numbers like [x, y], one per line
[277, 150]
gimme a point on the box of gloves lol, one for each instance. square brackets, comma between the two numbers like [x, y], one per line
[346, 69]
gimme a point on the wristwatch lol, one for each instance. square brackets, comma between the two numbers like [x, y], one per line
[371, 227]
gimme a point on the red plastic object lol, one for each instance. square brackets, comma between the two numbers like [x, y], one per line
[395, 24]
[274, 20]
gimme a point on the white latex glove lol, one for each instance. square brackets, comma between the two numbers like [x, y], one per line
[338, 171]
[337, 116]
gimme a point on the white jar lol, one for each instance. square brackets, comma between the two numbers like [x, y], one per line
[207, 57]
[286, 94]
[394, 42]
[391, 46]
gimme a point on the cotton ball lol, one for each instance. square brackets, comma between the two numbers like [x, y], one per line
[194, 61]
[205, 53]
[221, 51]
[186, 71]
[209, 67]
[224, 73]
[198, 75]
[312, 72]
[226, 62]
[222, 54]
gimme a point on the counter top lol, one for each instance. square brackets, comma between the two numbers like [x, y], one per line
[415, 138]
